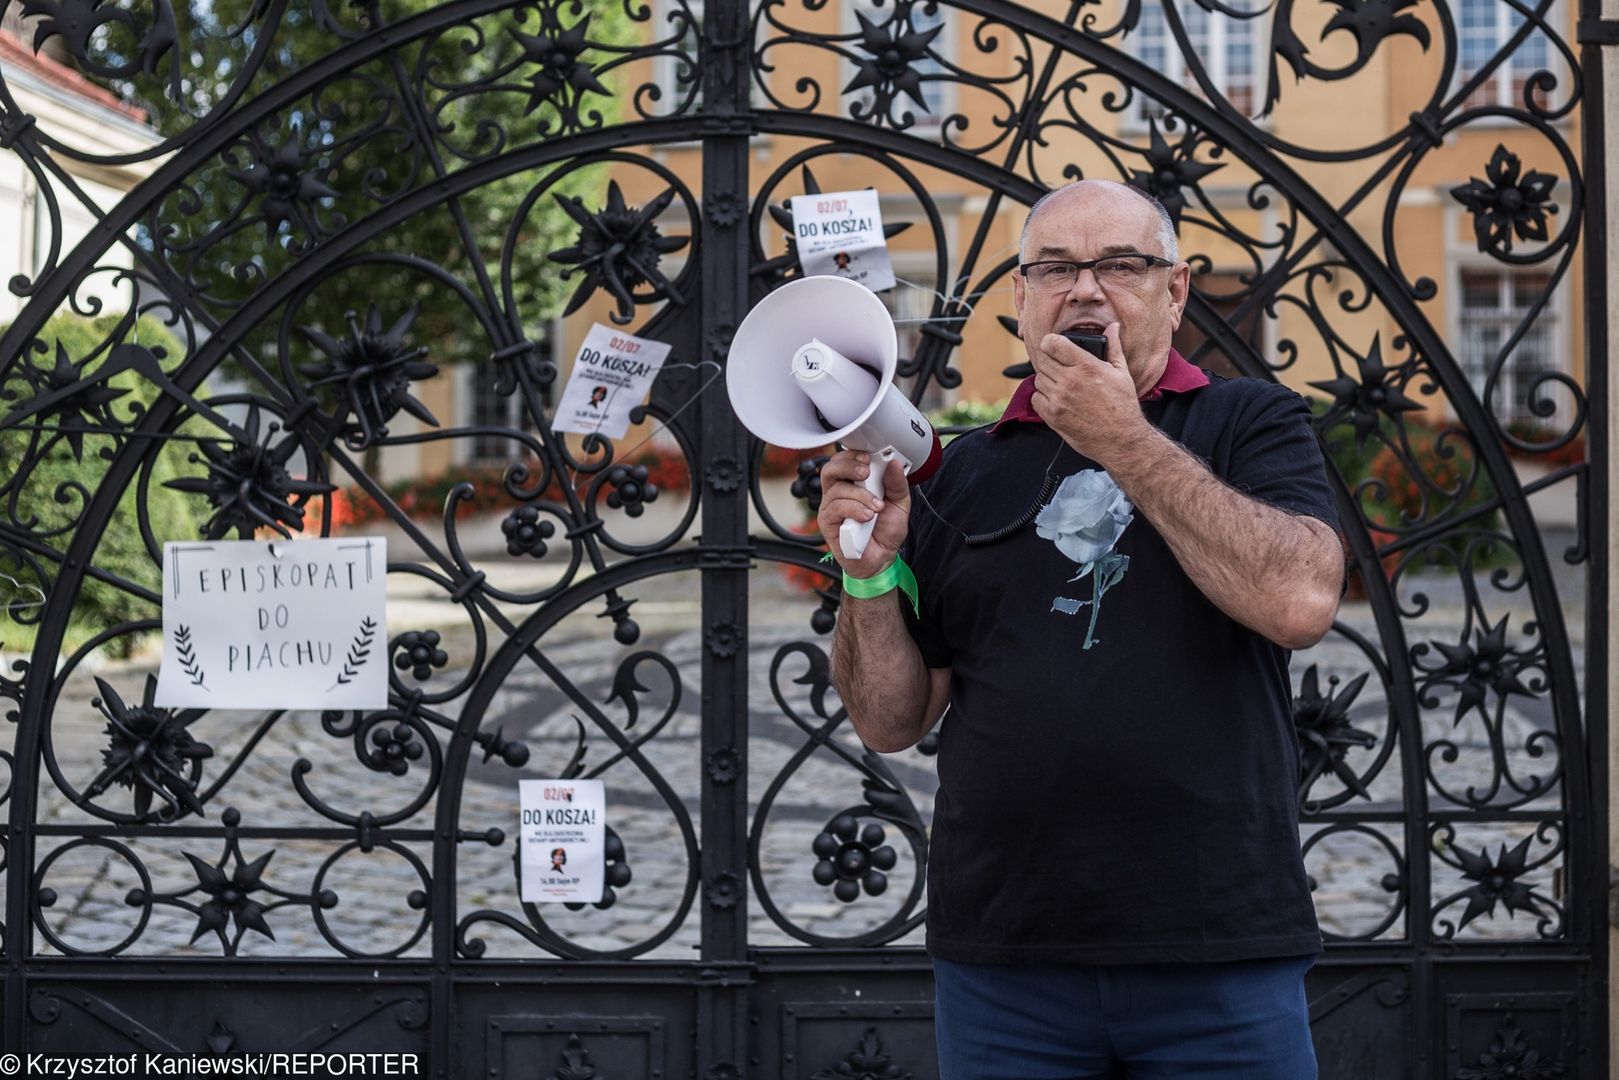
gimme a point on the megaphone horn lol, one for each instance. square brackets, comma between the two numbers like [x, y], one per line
[814, 363]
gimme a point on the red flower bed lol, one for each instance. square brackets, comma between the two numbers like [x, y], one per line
[423, 497]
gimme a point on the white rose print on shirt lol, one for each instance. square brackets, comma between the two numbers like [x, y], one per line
[1085, 518]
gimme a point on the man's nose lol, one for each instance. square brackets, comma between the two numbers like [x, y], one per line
[1086, 286]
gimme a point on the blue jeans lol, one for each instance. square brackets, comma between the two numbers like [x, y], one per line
[1234, 1021]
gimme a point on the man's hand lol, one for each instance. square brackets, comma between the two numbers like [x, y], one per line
[844, 495]
[892, 698]
[1091, 403]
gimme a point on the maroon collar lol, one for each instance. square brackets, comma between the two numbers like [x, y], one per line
[1178, 377]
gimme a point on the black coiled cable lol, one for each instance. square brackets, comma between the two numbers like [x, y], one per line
[1046, 492]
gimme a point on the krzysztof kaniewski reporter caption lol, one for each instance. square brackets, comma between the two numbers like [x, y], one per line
[269, 1064]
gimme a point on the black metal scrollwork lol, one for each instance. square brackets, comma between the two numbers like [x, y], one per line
[348, 207]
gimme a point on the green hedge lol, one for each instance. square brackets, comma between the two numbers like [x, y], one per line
[173, 515]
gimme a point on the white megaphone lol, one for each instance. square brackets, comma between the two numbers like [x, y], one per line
[813, 363]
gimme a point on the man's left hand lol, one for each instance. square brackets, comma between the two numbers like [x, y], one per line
[1091, 403]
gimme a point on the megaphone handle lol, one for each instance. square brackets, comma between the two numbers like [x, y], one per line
[853, 536]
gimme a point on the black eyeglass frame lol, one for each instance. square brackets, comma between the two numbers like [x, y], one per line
[1091, 264]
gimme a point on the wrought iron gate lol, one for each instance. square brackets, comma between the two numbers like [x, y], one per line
[1450, 811]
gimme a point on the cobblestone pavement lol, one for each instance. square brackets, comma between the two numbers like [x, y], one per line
[380, 893]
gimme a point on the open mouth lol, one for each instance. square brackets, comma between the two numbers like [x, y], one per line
[1085, 328]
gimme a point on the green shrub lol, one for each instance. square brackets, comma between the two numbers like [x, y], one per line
[1399, 504]
[964, 415]
[48, 496]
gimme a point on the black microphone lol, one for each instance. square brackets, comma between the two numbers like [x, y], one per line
[1095, 344]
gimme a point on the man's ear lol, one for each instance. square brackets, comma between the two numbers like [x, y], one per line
[1180, 285]
[1017, 298]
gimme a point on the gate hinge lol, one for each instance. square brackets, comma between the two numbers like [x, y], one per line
[1597, 32]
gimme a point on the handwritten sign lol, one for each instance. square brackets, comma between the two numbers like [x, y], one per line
[284, 625]
[611, 375]
[841, 233]
[564, 840]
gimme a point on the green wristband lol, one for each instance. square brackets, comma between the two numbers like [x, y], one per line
[895, 575]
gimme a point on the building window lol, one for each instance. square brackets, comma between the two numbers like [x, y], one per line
[1226, 47]
[1222, 291]
[676, 76]
[1485, 28]
[488, 408]
[1494, 303]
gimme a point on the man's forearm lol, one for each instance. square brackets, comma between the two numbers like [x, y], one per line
[878, 671]
[1275, 573]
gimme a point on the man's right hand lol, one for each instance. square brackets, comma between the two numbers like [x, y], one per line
[844, 495]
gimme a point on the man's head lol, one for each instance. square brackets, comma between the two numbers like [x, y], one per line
[1087, 220]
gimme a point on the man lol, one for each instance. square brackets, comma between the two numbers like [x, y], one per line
[1115, 880]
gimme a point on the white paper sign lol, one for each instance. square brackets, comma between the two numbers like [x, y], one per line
[611, 375]
[297, 624]
[841, 233]
[564, 840]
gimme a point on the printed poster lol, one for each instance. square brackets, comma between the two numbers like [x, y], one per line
[841, 233]
[296, 624]
[611, 375]
[564, 840]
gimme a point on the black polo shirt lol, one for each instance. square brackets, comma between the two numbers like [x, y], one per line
[1134, 801]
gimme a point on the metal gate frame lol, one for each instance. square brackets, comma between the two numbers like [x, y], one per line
[850, 1009]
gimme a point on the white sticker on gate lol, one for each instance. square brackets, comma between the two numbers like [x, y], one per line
[298, 624]
[562, 837]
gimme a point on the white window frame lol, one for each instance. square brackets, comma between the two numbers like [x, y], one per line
[666, 69]
[1499, 90]
[1557, 312]
[1144, 108]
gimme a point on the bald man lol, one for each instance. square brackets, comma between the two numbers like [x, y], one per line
[1103, 589]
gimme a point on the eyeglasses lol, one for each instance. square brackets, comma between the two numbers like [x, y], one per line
[1113, 271]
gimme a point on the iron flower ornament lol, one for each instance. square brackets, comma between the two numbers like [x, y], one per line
[370, 371]
[1507, 202]
[1371, 21]
[1379, 392]
[575, 1063]
[619, 249]
[1511, 1058]
[284, 182]
[230, 897]
[418, 652]
[562, 77]
[150, 752]
[1475, 669]
[1171, 169]
[79, 405]
[81, 23]
[851, 858]
[525, 533]
[889, 69]
[1325, 733]
[393, 748]
[248, 484]
[867, 1061]
[1496, 881]
[631, 489]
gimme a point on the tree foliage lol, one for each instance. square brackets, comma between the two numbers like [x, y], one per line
[61, 484]
[367, 136]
